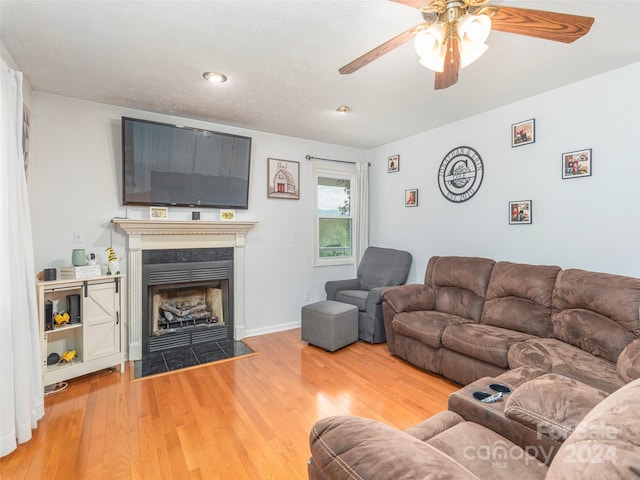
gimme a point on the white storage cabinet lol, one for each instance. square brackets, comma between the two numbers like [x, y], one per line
[98, 338]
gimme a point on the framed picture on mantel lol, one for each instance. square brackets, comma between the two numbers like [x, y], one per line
[158, 213]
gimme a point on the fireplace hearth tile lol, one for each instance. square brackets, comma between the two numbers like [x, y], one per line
[234, 349]
[208, 352]
[189, 356]
[152, 365]
[180, 358]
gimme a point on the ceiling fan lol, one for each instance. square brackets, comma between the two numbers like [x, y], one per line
[454, 31]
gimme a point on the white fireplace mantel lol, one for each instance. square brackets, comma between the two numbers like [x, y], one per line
[165, 234]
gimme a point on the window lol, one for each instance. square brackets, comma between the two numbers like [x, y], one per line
[335, 210]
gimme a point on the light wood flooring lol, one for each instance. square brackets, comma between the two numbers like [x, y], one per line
[246, 418]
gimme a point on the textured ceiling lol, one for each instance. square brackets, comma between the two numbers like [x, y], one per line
[282, 59]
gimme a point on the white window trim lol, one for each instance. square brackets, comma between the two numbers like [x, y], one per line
[334, 170]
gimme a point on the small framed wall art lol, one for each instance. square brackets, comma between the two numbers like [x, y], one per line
[576, 164]
[411, 198]
[227, 215]
[158, 213]
[523, 133]
[520, 212]
[393, 163]
[283, 179]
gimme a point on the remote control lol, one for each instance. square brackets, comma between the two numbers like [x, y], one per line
[492, 398]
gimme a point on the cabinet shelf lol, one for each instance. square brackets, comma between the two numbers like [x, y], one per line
[98, 338]
[64, 365]
[64, 328]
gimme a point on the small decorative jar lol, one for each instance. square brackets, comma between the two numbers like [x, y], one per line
[78, 257]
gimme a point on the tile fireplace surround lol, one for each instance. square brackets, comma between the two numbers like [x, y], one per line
[170, 234]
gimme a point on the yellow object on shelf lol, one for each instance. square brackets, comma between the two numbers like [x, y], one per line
[68, 355]
[62, 317]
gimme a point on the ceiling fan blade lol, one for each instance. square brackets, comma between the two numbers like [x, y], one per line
[560, 27]
[380, 50]
[449, 75]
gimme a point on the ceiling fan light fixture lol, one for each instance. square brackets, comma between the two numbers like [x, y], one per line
[468, 56]
[435, 64]
[430, 47]
[428, 42]
[474, 29]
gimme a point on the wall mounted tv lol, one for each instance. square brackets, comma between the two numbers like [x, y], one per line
[174, 165]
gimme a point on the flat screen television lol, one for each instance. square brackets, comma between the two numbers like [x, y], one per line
[174, 165]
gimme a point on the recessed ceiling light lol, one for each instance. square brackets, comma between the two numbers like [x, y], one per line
[343, 109]
[215, 77]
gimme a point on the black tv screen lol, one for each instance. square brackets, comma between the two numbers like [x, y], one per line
[173, 165]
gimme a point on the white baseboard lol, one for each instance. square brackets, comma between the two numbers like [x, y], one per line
[252, 332]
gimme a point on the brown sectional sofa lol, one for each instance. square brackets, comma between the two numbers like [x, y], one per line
[566, 343]
[475, 317]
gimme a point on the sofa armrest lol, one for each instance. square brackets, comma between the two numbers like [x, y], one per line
[374, 298]
[334, 286]
[552, 404]
[435, 425]
[353, 447]
[409, 298]
[628, 365]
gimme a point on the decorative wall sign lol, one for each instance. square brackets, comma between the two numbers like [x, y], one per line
[283, 179]
[520, 212]
[460, 174]
[411, 198]
[523, 133]
[393, 164]
[576, 164]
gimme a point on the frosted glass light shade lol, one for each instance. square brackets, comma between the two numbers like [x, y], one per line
[474, 29]
[429, 47]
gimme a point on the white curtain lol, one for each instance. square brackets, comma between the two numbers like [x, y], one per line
[21, 390]
[362, 215]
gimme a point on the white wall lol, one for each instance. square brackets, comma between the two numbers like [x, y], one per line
[590, 222]
[75, 185]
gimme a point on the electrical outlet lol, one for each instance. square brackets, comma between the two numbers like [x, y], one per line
[293, 238]
[77, 238]
[307, 296]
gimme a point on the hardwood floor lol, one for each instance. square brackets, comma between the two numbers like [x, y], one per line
[247, 418]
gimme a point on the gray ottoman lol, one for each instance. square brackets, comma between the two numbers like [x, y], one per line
[330, 325]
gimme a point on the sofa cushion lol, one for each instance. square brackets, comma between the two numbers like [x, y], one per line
[519, 297]
[606, 443]
[555, 356]
[353, 297]
[484, 342]
[425, 326]
[628, 365]
[552, 404]
[485, 453]
[520, 375]
[383, 267]
[597, 312]
[592, 332]
[361, 448]
[460, 284]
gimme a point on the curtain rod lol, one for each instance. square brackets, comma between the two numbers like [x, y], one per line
[309, 157]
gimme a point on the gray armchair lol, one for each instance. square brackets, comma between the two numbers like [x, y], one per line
[379, 269]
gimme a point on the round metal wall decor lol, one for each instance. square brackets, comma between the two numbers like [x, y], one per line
[460, 174]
